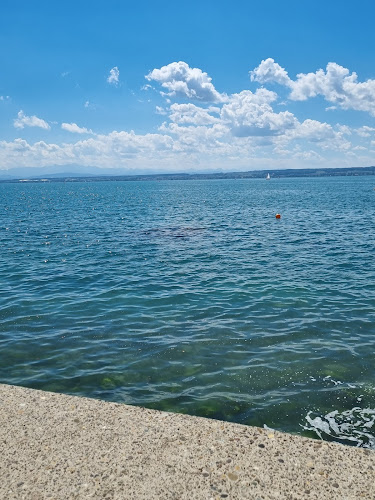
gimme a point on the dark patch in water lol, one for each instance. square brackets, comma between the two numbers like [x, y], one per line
[173, 232]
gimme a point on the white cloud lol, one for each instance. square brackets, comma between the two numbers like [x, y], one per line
[29, 121]
[114, 76]
[344, 129]
[309, 156]
[182, 81]
[365, 131]
[198, 139]
[251, 114]
[146, 87]
[313, 131]
[241, 131]
[160, 111]
[189, 113]
[336, 84]
[4, 97]
[121, 148]
[270, 71]
[181, 147]
[322, 135]
[74, 128]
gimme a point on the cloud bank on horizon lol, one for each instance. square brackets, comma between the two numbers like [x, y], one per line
[201, 128]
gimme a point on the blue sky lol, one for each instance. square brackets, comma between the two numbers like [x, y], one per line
[195, 86]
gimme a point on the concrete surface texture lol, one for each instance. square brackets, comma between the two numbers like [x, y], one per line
[64, 447]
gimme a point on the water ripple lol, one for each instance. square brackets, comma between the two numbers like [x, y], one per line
[190, 296]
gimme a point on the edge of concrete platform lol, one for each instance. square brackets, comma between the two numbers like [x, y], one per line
[60, 447]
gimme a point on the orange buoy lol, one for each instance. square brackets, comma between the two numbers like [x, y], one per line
[278, 216]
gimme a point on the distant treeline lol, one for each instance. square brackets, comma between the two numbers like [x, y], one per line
[255, 174]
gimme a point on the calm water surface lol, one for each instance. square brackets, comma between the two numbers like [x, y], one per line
[190, 296]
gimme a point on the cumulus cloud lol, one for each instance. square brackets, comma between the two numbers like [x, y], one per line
[160, 110]
[181, 146]
[23, 121]
[365, 131]
[309, 156]
[74, 128]
[244, 130]
[344, 129]
[197, 139]
[130, 142]
[313, 131]
[180, 80]
[121, 148]
[251, 114]
[114, 76]
[322, 134]
[336, 84]
[189, 113]
[270, 71]
[4, 97]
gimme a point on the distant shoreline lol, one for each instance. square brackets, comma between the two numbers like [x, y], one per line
[254, 174]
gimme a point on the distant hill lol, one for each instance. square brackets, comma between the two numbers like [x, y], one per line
[92, 174]
[57, 171]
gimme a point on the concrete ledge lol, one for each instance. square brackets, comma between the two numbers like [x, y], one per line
[64, 447]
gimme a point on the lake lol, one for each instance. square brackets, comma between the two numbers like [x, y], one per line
[190, 296]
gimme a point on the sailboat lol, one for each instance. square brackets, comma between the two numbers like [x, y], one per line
[268, 177]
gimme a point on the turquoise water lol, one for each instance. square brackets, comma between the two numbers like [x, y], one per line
[190, 296]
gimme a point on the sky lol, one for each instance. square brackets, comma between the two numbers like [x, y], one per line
[198, 86]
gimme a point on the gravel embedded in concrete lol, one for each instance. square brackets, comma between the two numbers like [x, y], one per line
[64, 447]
